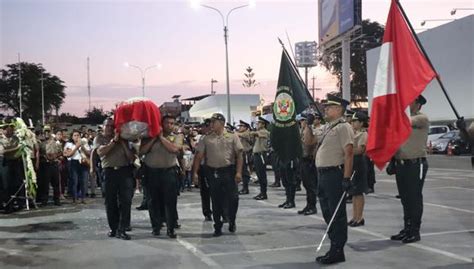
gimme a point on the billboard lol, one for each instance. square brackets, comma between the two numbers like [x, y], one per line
[337, 17]
[305, 54]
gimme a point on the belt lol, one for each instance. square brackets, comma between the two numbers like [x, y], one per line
[411, 161]
[220, 169]
[307, 159]
[162, 169]
[330, 168]
[116, 167]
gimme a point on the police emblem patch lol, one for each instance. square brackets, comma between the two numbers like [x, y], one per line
[284, 106]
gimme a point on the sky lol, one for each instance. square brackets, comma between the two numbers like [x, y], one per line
[188, 43]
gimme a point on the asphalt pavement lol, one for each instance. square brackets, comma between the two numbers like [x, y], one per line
[267, 236]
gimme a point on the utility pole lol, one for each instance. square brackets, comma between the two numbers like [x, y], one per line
[88, 84]
[312, 89]
[42, 98]
[19, 86]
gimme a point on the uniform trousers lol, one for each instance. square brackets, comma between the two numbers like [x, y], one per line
[48, 174]
[410, 176]
[310, 181]
[261, 170]
[224, 194]
[204, 192]
[330, 192]
[287, 173]
[14, 174]
[118, 194]
[162, 196]
[246, 170]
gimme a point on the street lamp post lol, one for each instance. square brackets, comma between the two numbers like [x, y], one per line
[225, 23]
[143, 72]
[42, 97]
[453, 12]
[424, 21]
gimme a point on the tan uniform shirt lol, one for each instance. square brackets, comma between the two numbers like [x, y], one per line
[246, 140]
[116, 157]
[261, 141]
[415, 146]
[50, 147]
[360, 139]
[331, 149]
[318, 131]
[160, 157]
[9, 143]
[220, 150]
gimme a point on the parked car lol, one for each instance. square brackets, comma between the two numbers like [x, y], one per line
[435, 132]
[458, 145]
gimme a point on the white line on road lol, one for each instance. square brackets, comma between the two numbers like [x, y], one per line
[447, 232]
[386, 196]
[199, 254]
[381, 236]
[449, 187]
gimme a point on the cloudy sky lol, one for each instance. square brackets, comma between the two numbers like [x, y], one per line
[187, 42]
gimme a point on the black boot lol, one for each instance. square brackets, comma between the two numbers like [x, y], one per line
[334, 256]
[302, 211]
[402, 234]
[244, 191]
[412, 236]
[261, 196]
[171, 233]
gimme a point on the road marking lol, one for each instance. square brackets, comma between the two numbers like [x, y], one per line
[448, 232]
[381, 236]
[456, 188]
[260, 250]
[386, 196]
[199, 254]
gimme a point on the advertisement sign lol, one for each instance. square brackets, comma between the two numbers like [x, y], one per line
[337, 17]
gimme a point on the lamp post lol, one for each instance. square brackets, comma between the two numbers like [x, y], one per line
[42, 97]
[424, 21]
[143, 72]
[19, 86]
[225, 23]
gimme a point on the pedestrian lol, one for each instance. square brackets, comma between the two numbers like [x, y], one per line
[411, 167]
[202, 180]
[359, 180]
[76, 151]
[247, 141]
[334, 164]
[307, 166]
[222, 152]
[116, 157]
[50, 151]
[260, 150]
[160, 161]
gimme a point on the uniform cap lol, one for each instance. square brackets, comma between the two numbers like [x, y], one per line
[260, 119]
[360, 116]
[243, 123]
[421, 100]
[218, 116]
[333, 100]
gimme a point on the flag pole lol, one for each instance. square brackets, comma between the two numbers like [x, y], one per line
[427, 58]
[299, 77]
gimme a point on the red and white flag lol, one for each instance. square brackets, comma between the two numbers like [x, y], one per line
[403, 73]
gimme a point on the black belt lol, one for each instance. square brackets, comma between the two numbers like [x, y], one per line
[220, 169]
[307, 159]
[410, 161]
[330, 168]
[162, 169]
[116, 167]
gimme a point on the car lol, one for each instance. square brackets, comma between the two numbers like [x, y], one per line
[435, 132]
[458, 145]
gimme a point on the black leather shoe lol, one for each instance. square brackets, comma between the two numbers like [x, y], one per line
[155, 232]
[128, 229]
[140, 208]
[318, 259]
[275, 185]
[244, 191]
[123, 236]
[177, 225]
[261, 196]
[171, 233]
[350, 222]
[411, 239]
[397, 237]
[282, 205]
[217, 233]
[358, 223]
[311, 211]
[302, 211]
[112, 233]
[333, 257]
[289, 205]
[208, 218]
[232, 227]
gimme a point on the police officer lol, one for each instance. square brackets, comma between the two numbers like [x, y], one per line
[411, 168]
[116, 157]
[359, 181]
[49, 151]
[247, 141]
[260, 149]
[202, 181]
[222, 152]
[334, 165]
[307, 166]
[161, 154]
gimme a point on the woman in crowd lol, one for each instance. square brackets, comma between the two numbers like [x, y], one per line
[76, 151]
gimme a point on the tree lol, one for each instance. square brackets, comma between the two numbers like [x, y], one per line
[31, 90]
[96, 115]
[372, 37]
[249, 82]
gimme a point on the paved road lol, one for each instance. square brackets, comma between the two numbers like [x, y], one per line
[267, 237]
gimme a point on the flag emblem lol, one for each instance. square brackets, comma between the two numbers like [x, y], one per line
[284, 106]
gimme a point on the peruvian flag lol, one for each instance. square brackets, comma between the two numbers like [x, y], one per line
[403, 73]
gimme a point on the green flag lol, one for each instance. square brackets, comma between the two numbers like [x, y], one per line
[291, 98]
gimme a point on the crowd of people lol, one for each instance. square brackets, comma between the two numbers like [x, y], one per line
[216, 157]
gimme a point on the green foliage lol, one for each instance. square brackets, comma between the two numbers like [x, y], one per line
[373, 35]
[96, 115]
[31, 90]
